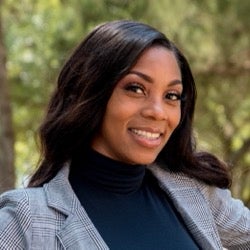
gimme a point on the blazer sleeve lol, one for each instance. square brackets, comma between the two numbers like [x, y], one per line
[15, 220]
[231, 217]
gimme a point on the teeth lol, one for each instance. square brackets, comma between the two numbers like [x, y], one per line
[145, 134]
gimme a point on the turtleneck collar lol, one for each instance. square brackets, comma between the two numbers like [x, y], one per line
[107, 174]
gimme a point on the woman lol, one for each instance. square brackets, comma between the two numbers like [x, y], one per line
[118, 165]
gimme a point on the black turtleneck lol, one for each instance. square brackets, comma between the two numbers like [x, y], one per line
[127, 206]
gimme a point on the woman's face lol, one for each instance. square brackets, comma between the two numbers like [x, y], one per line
[143, 110]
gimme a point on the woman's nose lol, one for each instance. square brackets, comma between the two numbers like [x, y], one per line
[154, 109]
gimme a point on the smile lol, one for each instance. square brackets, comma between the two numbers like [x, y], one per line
[145, 134]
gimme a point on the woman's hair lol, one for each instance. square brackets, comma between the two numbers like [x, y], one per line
[85, 84]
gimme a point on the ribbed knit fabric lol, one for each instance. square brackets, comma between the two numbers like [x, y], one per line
[127, 206]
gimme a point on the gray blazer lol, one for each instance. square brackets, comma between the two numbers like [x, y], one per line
[51, 217]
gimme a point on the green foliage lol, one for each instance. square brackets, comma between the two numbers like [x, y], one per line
[37, 40]
[213, 34]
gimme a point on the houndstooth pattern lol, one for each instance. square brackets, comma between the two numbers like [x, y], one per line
[51, 217]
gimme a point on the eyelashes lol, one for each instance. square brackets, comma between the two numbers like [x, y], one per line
[173, 96]
[140, 90]
[135, 87]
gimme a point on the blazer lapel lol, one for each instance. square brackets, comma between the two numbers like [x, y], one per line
[77, 230]
[191, 205]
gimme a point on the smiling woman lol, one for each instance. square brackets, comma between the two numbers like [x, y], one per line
[119, 169]
[143, 110]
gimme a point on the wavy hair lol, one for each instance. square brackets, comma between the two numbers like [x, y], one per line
[85, 84]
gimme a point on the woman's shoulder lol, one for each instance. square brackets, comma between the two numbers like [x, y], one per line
[22, 206]
[19, 205]
[22, 197]
[37, 197]
[230, 216]
[25, 216]
[213, 196]
[16, 217]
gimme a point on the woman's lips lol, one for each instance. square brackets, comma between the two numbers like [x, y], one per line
[146, 138]
[146, 134]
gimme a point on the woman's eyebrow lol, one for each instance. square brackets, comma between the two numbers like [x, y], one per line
[143, 76]
[150, 80]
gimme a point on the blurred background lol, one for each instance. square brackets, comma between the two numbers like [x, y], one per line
[36, 36]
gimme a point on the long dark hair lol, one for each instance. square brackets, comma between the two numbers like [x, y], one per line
[84, 87]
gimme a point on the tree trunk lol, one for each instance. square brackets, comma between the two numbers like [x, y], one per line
[7, 171]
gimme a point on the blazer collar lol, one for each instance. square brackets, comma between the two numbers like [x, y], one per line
[191, 205]
[77, 231]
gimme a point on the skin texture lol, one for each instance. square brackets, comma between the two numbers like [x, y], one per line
[143, 110]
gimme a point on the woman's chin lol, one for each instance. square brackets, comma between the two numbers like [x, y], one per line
[144, 161]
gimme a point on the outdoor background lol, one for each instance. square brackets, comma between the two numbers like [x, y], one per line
[36, 36]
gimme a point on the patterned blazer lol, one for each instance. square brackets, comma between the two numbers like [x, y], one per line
[51, 217]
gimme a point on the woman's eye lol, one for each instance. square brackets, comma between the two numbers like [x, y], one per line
[173, 96]
[136, 88]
